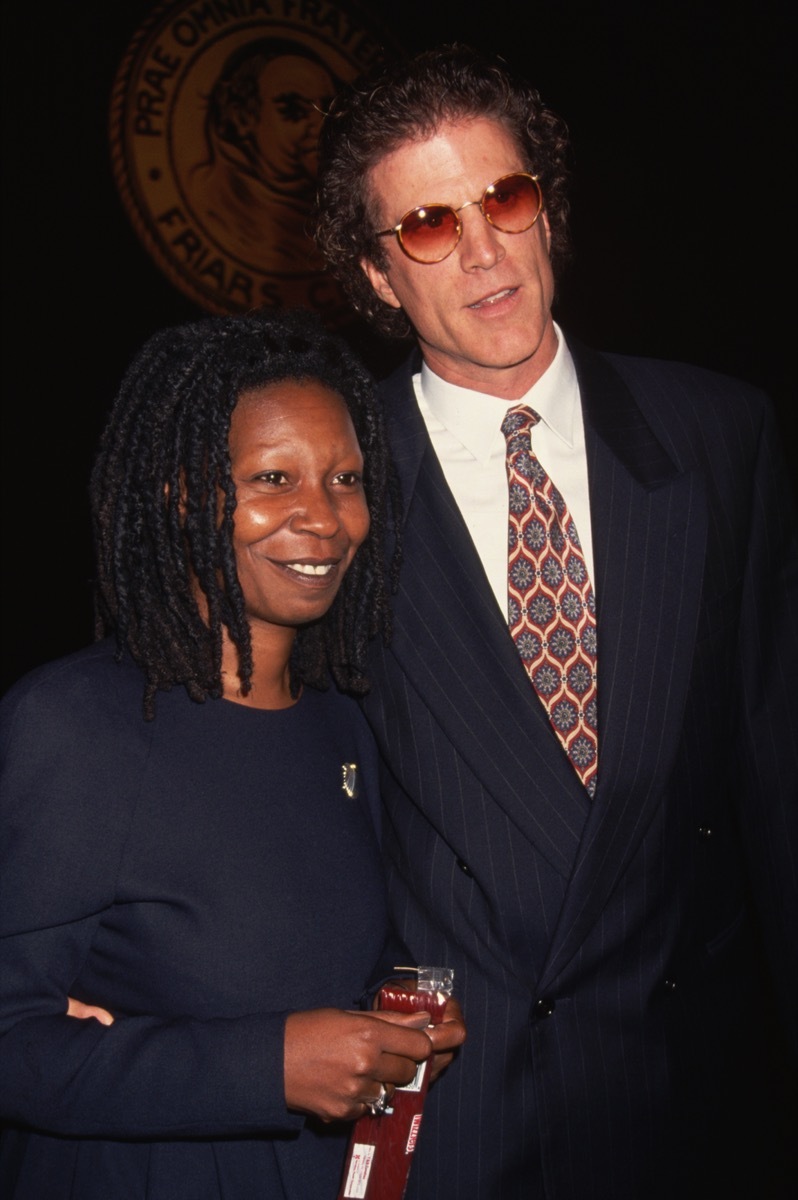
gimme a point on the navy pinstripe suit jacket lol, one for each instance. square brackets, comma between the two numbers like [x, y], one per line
[617, 961]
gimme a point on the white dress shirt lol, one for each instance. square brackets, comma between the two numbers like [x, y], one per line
[465, 428]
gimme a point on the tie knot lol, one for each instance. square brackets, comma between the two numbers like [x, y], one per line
[516, 427]
[517, 420]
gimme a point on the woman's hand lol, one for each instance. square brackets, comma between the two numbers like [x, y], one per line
[446, 1036]
[337, 1062]
[75, 1008]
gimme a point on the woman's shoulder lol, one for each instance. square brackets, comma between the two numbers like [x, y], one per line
[82, 689]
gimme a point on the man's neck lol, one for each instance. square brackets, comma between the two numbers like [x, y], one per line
[511, 382]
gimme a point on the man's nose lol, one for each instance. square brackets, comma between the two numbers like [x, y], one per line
[480, 246]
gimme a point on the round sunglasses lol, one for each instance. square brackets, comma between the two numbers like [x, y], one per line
[429, 233]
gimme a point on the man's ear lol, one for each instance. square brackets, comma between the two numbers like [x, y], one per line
[379, 281]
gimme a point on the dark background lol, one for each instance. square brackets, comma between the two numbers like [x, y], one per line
[684, 205]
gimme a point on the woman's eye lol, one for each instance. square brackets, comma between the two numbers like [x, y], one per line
[349, 478]
[275, 478]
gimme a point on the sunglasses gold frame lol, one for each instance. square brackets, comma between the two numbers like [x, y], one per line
[489, 190]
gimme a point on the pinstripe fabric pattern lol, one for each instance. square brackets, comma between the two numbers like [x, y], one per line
[607, 955]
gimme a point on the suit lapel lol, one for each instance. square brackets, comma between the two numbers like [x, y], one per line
[649, 535]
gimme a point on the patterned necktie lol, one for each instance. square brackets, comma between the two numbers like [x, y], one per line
[551, 610]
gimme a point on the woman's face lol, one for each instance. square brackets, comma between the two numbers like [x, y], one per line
[301, 511]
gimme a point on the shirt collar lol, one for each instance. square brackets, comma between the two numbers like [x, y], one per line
[475, 418]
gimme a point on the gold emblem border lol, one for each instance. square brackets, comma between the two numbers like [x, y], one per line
[146, 50]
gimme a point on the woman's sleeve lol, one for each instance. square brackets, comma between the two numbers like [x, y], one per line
[63, 824]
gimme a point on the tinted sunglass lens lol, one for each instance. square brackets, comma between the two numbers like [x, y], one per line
[429, 234]
[512, 204]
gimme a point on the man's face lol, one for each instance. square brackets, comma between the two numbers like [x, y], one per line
[483, 315]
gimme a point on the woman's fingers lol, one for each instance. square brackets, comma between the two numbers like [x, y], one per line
[446, 1037]
[336, 1062]
[75, 1008]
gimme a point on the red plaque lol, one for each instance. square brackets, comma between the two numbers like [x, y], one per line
[381, 1147]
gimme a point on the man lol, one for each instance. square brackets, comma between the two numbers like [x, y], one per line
[617, 896]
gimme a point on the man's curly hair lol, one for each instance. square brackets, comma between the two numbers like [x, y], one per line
[163, 504]
[407, 101]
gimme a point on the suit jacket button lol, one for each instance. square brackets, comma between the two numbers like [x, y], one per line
[670, 985]
[704, 831]
[464, 867]
[544, 1007]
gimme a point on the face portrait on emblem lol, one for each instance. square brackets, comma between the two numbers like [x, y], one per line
[255, 186]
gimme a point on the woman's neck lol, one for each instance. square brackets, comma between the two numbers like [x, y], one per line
[271, 677]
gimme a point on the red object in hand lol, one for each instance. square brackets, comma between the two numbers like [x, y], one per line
[381, 1147]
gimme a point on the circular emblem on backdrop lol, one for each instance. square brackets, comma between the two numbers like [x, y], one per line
[215, 115]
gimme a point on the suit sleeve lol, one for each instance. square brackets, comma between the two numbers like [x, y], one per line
[767, 743]
[64, 817]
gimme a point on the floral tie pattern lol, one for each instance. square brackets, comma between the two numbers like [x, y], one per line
[551, 606]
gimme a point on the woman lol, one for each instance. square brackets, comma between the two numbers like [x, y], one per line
[189, 820]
